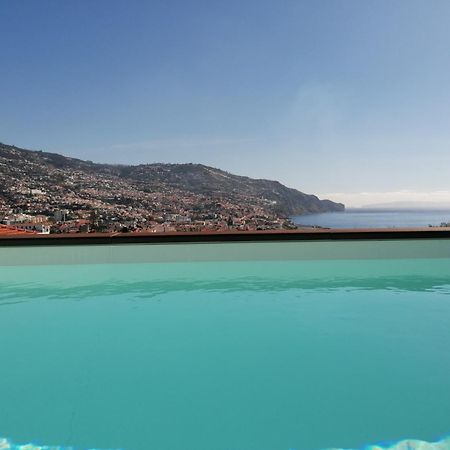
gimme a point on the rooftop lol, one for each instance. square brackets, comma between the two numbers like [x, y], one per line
[6, 230]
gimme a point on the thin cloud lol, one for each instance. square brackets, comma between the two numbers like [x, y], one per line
[189, 142]
[360, 199]
[198, 149]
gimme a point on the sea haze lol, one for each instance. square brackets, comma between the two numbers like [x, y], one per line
[375, 218]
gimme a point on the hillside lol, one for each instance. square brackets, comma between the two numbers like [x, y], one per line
[41, 182]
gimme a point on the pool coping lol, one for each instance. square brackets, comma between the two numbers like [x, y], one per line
[317, 234]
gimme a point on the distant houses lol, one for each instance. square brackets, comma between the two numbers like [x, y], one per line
[38, 224]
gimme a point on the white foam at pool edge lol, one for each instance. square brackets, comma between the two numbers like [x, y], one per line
[407, 444]
[8, 445]
[410, 444]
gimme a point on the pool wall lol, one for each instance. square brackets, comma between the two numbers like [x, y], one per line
[186, 247]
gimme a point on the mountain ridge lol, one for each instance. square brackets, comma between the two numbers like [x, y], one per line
[187, 187]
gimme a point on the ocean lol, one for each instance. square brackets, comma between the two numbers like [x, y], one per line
[374, 218]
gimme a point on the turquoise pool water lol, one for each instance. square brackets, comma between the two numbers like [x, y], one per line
[224, 355]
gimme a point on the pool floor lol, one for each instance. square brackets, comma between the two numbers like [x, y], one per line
[261, 355]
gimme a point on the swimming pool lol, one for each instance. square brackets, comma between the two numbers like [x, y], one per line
[225, 346]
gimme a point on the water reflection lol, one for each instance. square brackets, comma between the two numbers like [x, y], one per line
[19, 292]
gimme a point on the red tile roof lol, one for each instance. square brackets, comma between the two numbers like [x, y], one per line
[6, 230]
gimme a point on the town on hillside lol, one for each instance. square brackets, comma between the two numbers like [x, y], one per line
[49, 193]
[36, 211]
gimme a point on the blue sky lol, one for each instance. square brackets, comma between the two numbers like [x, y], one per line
[348, 99]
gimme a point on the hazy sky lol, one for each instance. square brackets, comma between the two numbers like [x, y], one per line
[331, 97]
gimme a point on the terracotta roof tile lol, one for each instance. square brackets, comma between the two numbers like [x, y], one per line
[6, 230]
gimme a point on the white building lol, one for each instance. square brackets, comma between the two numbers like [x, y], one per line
[41, 228]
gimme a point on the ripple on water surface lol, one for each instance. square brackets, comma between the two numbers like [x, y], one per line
[226, 356]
